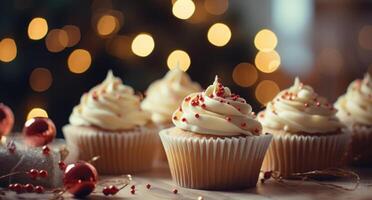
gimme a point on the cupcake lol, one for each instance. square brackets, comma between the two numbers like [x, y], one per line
[216, 143]
[355, 111]
[109, 123]
[307, 134]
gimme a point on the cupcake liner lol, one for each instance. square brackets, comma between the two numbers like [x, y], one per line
[125, 152]
[302, 153]
[215, 163]
[360, 152]
[161, 156]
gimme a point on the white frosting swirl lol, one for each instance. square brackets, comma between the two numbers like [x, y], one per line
[356, 105]
[216, 111]
[111, 106]
[164, 95]
[299, 109]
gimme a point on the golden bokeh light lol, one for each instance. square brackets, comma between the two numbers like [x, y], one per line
[120, 47]
[265, 40]
[73, 34]
[107, 24]
[40, 79]
[79, 61]
[37, 29]
[56, 40]
[364, 37]
[266, 91]
[183, 9]
[245, 74]
[8, 50]
[180, 59]
[219, 34]
[216, 7]
[143, 44]
[37, 112]
[267, 62]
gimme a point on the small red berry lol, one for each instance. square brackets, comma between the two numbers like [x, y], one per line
[106, 191]
[62, 165]
[17, 188]
[46, 150]
[39, 189]
[29, 188]
[148, 186]
[175, 191]
[11, 187]
[113, 189]
[43, 173]
[33, 173]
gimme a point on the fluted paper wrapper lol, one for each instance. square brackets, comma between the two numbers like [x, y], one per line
[360, 151]
[125, 152]
[299, 153]
[161, 156]
[215, 163]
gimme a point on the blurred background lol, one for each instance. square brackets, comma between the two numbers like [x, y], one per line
[52, 51]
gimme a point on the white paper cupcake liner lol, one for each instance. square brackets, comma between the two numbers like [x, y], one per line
[215, 163]
[360, 151]
[299, 153]
[126, 152]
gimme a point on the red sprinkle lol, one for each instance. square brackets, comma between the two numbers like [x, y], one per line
[133, 187]
[46, 150]
[175, 118]
[243, 124]
[33, 173]
[306, 105]
[228, 119]
[62, 165]
[318, 103]
[184, 120]
[43, 173]
[148, 186]
[203, 106]
[197, 115]
[133, 191]
[187, 99]
[180, 109]
[175, 191]
[39, 189]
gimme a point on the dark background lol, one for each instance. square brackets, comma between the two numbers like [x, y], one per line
[337, 49]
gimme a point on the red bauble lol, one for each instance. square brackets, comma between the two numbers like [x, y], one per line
[39, 131]
[80, 178]
[6, 119]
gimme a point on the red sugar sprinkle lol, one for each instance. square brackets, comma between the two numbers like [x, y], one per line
[175, 118]
[306, 105]
[318, 103]
[45, 150]
[228, 118]
[203, 106]
[180, 109]
[175, 191]
[187, 99]
[211, 95]
[148, 186]
[197, 115]
[194, 102]
[243, 124]
[184, 120]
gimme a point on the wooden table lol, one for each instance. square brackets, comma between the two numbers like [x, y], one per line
[162, 187]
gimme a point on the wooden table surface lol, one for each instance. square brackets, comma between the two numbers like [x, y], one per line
[162, 187]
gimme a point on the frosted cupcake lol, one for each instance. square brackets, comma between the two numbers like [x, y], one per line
[165, 95]
[355, 111]
[217, 143]
[109, 123]
[307, 134]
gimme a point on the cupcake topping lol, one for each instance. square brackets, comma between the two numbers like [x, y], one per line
[356, 105]
[164, 95]
[216, 111]
[299, 109]
[111, 106]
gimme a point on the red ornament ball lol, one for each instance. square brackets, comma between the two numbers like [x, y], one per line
[80, 178]
[6, 119]
[39, 131]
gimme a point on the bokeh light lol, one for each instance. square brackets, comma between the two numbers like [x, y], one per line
[56, 40]
[265, 40]
[37, 112]
[364, 37]
[267, 62]
[79, 61]
[183, 9]
[245, 74]
[120, 47]
[107, 24]
[219, 34]
[73, 34]
[37, 29]
[266, 91]
[180, 59]
[216, 7]
[8, 50]
[40, 79]
[143, 44]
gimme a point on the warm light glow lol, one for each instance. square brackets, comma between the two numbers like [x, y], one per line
[79, 61]
[107, 24]
[40, 79]
[265, 40]
[56, 40]
[219, 34]
[143, 44]
[183, 9]
[216, 7]
[120, 47]
[245, 74]
[266, 91]
[364, 37]
[73, 34]
[37, 112]
[267, 62]
[8, 50]
[179, 58]
[37, 29]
